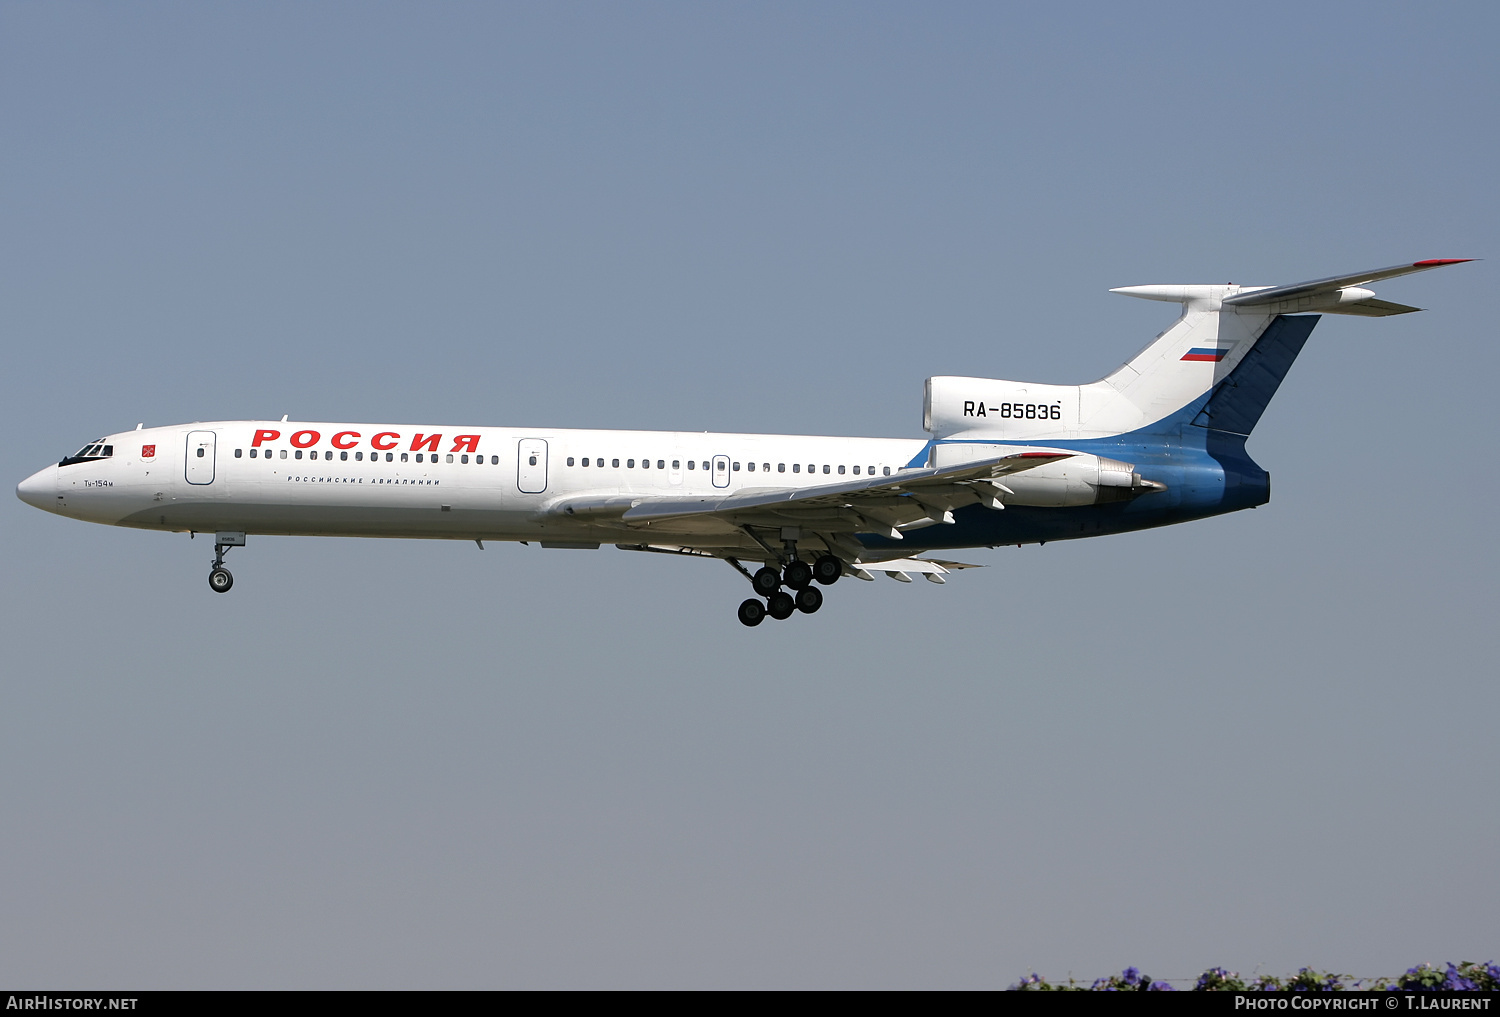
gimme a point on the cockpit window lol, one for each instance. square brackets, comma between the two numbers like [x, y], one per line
[92, 452]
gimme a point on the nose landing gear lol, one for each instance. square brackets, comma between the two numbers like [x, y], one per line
[219, 578]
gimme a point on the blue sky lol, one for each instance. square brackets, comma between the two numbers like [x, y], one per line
[1259, 740]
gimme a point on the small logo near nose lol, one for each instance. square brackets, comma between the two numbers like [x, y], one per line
[148, 451]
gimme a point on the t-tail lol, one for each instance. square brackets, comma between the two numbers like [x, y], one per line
[1199, 388]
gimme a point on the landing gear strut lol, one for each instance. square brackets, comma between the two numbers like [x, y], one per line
[219, 578]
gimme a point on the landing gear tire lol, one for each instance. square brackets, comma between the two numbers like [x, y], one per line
[752, 612]
[219, 580]
[780, 605]
[827, 570]
[809, 599]
[797, 574]
[766, 582]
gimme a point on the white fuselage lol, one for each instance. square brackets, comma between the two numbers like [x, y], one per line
[377, 480]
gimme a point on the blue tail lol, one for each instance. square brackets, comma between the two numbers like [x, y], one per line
[1234, 405]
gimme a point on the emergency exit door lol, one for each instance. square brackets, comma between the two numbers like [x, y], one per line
[200, 457]
[531, 465]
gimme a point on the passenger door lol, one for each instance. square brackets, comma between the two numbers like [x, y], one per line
[721, 471]
[199, 467]
[531, 465]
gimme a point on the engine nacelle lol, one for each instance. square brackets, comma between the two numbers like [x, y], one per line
[1080, 479]
[1011, 410]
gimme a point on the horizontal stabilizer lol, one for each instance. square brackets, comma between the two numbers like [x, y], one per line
[1327, 294]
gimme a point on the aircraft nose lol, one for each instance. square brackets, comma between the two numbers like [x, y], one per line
[39, 489]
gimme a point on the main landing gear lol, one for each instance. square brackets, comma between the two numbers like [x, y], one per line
[219, 578]
[796, 575]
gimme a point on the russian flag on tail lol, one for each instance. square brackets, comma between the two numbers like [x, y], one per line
[1207, 353]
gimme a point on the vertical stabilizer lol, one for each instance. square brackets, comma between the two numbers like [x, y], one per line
[1217, 366]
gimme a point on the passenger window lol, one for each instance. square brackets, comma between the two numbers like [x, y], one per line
[389, 456]
[450, 458]
[825, 468]
[419, 457]
[343, 457]
[856, 471]
[252, 453]
[676, 464]
[200, 453]
[629, 463]
[297, 456]
[327, 455]
[494, 460]
[750, 467]
[692, 464]
[781, 467]
[599, 463]
[705, 465]
[841, 471]
[464, 458]
[238, 452]
[283, 453]
[661, 464]
[359, 457]
[736, 466]
[570, 460]
[887, 471]
[796, 467]
[614, 464]
[870, 470]
[403, 457]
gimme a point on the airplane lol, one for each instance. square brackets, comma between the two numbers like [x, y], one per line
[1160, 440]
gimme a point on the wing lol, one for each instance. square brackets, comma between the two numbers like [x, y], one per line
[751, 520]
